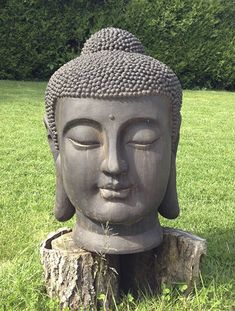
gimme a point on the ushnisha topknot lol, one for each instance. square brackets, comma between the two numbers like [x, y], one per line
[112, 65]
[109, 39]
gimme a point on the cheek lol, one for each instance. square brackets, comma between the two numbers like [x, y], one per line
[145, 166]
[80, 167]
[149, 171]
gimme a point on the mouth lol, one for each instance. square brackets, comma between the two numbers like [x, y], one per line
[110, 193]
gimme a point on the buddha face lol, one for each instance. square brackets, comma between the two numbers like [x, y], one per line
[115, 155]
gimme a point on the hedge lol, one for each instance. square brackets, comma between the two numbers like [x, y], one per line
[195, 38]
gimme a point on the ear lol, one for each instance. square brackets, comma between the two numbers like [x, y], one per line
[169, 207]
[64, 210]
[54, 151]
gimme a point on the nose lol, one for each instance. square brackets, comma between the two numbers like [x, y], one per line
[113, 164]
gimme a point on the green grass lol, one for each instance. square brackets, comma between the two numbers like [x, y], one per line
[205, 166]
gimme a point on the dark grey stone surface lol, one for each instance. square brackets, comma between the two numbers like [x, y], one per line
[113, 119]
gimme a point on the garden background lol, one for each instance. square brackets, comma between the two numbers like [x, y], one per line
[196, 39]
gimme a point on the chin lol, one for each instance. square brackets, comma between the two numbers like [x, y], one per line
[116, 212]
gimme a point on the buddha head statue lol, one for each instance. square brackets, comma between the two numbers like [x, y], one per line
[113, 120]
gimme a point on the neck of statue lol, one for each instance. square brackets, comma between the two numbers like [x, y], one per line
[117, 239]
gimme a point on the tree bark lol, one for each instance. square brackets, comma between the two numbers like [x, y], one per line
[82, 279]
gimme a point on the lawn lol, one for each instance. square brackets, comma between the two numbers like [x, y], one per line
[205, 166]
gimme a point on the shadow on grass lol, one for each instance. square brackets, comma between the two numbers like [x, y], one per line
[219, 264]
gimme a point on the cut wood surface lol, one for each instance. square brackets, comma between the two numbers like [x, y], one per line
[82, 279]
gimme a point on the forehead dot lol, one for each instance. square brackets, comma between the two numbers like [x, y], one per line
[111, 117]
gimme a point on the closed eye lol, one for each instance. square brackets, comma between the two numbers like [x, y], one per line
[85, 144]
[141, 144]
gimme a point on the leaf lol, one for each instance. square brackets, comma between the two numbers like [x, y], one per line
[183, 288]
[101, 297]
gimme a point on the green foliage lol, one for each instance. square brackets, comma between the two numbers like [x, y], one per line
[205, 181]
[195, 38]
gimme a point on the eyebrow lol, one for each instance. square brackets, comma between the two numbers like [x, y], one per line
[140, 120]
[97, 125]
[81, 121]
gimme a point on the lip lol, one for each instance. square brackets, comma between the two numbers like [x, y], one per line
[114, 193]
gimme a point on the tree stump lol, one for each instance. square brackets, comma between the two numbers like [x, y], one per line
[82, 279]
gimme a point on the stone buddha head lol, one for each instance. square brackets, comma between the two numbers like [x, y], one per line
[113, 120]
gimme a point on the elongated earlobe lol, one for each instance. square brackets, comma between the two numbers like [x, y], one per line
[169, 207]
[64, 210]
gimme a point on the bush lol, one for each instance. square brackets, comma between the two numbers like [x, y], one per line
[193, 37]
